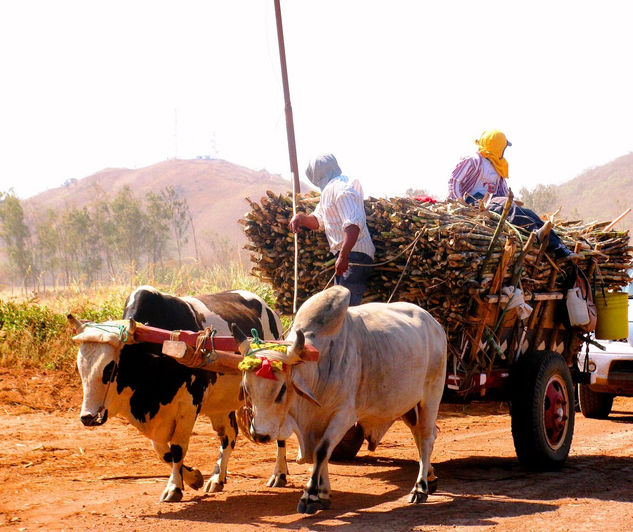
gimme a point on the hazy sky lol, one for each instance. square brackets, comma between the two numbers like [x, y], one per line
[397, 90]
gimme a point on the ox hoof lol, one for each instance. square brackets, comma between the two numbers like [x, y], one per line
[418, 496]
[433, 485]
[171, 495]
[313, 506]
[196, 481]
[277, 481]
[214, 486]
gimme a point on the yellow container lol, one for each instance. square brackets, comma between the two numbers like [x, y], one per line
[613, 322]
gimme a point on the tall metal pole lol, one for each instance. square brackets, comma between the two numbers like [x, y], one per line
[292, 147]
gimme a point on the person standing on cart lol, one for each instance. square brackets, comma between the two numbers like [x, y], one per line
[486, 173]
[341, 214]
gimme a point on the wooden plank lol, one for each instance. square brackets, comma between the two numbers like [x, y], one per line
[545, 320]
[539, 296]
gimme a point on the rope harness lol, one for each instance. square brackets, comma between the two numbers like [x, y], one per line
[206, 356]
[124, 335]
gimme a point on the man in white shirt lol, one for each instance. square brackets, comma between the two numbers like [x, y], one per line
[341, 214]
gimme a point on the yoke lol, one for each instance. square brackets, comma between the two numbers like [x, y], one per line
[198, 349]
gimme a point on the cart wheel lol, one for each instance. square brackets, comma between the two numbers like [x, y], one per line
[594, 405]
[349, 446]
[542, 410]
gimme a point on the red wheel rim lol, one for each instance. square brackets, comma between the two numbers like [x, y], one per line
[555, 412]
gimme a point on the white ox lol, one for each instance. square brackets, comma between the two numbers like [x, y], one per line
[162, 398]
[378, 362]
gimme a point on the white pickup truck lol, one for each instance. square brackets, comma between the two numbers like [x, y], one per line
[611, 372]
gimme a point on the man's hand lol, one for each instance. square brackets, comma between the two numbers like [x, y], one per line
[341, 265]
[350, 236]
[300, 220]
[297, 222]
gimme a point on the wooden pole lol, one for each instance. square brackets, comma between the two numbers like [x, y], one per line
[290, 128]
[612, 224]
[290, 132]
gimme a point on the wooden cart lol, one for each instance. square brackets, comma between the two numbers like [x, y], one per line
[532, 363]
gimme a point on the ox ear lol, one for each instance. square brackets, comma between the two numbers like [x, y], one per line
[324, 312]
[242, 341]
[302, 388]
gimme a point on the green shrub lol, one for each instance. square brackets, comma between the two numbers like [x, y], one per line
[39, 320]
[32, 335]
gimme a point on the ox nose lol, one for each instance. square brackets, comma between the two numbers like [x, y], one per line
[91, 420]
[88, 419]
[258, 438]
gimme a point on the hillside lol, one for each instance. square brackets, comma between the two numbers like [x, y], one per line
[600, 193]
[215, 190]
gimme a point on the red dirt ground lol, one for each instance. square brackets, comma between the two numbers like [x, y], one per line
[56, 474]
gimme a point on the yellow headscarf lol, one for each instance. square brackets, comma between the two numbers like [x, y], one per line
[491, 145]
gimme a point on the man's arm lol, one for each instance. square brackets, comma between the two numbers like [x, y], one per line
[350, 236]
[464, 177]
[300, 220]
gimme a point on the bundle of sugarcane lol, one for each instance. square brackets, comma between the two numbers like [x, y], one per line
[436, 255]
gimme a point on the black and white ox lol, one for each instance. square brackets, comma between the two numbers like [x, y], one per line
[378, 362]
[163, 398]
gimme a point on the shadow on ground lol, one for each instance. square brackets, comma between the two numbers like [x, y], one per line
[472, 492]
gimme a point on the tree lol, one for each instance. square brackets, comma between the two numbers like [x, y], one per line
[105, 229]
[543, 199]
[179, 216]
[222, 249]
[129, 226]
[47, 245]
[158, 223]
[415, 192]
[15, 235]
[80, 246]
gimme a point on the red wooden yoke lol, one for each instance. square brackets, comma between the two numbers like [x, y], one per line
[154, 335]
[200, 349]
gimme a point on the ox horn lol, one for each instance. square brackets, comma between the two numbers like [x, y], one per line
[295, 351]
[75, 323]
[300, 342]
[241, 339]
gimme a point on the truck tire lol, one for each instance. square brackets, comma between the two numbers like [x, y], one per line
[348, 447]
[594, 405]
[542, 403]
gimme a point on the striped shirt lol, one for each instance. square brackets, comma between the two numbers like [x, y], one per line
[342, 205]
[476, 174]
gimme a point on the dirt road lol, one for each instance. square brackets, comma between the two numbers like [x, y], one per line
[55, 474]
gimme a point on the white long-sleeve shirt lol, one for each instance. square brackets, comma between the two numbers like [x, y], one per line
[342, 205]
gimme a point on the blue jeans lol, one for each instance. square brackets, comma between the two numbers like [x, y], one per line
[528, 219]
[355, 278]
